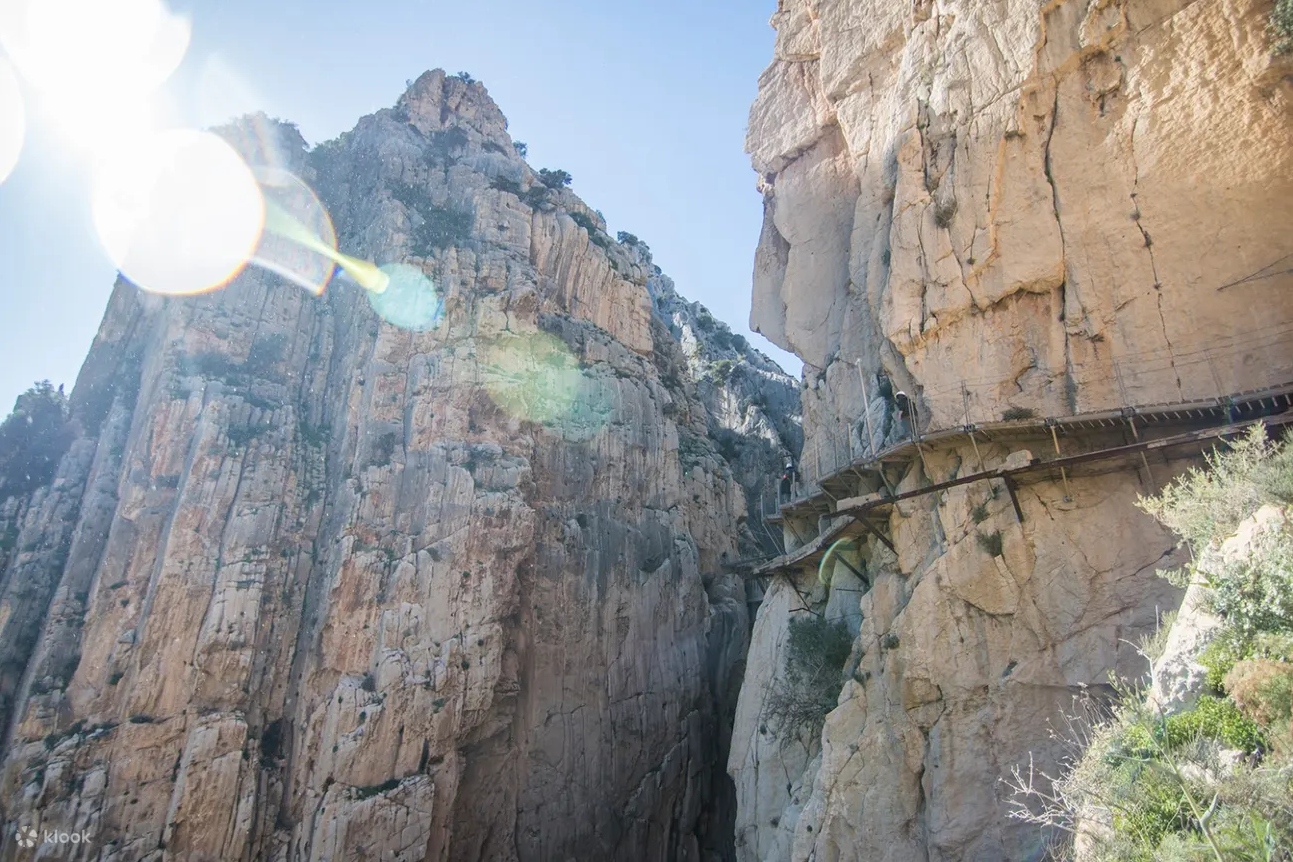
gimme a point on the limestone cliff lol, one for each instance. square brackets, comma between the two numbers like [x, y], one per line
[1007, 210]
[753, 406]
[313, 585]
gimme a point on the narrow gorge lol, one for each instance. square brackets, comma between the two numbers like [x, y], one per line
[500, 565]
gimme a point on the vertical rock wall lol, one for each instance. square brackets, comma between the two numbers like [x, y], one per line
[311, 585]
[1062, 208]
[1008, 209]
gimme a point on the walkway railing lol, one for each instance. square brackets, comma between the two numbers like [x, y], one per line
[1205, 374]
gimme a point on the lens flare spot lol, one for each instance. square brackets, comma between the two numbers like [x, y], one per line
[535, 378]
[181, 213]
[299, 242]
[364, 273]
[407, 298]
[13, 120]
[94, 50]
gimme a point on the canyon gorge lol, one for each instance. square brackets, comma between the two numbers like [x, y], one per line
[494, 566]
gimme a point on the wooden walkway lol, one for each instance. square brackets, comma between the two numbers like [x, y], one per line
[1099, 442]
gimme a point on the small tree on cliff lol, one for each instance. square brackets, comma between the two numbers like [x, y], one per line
[554, 179]
[1282, 26]
[33, 440]
[816, 651]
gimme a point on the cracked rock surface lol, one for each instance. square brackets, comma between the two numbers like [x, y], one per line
[312, 586]
[999, 205]
[1065, 207]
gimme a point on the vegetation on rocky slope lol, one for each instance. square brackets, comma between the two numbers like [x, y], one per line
[1282, 26]
[1213, 781]
[32, 440]
[816, 650]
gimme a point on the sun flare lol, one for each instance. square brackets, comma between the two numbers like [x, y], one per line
[180, 213]
[94, 64]
[13, 120]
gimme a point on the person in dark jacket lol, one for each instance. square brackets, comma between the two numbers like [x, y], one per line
[789, 478]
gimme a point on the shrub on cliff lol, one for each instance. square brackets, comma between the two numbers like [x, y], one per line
[33, 440]
[1282, 26]
[441, 226]
[816, 650]
[1207, 505]
[1203, 782]
[554, 179]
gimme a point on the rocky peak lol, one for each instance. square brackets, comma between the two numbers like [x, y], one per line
[436, 102]
[431, 574]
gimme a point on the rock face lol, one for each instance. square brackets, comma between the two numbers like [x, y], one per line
[1065, 207]
[1006, 209]
[753, 405]
[1177, 679]
[313, 585]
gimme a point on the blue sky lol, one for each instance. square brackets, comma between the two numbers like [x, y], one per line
[644, 103]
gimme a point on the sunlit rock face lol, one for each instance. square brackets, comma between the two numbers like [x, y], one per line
[1002, 205]
[348, 577]
[1065, 207]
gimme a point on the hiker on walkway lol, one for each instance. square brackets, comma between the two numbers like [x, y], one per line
[789, 479]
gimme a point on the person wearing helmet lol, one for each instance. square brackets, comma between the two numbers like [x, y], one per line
[789, 478]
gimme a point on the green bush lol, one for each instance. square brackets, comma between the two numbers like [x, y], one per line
[1282, 26]
[1255, 594]
[443, 145]
[1217, 659]
[554, 179]
[1134, 741]
[374, 789]
[384, 448]
[1151, 802]
[721, 370]
[535, 196]
[441, 227]
[815, 653]
[1212, 718]
[1207, 505]
[239, 437]
[33, 440]
[991, 543]
[583, 221]
[266, 352]
[598, 238]
[944, 212]
[503, 184]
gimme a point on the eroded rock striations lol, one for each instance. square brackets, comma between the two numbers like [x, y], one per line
[310, 585]
[1005, 210]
